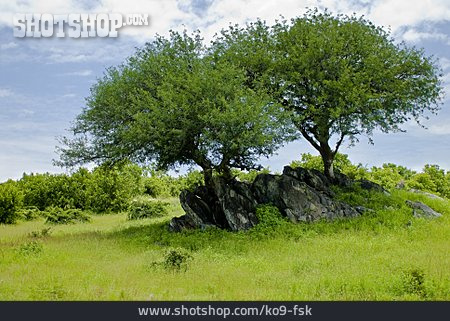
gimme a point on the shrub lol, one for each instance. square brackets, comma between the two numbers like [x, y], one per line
[249, 176]
[29, 213]
[11, 200]
[176, 259]
[56, 215]
[31, 248]
[41, 233]
[147, 209]
[112, 189]
[269, 219]
[413, 282]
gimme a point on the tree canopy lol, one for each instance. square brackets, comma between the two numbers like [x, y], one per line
[175, 103]
[339, 76]
[179, 102]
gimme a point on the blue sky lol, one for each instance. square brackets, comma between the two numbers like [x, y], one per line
[43, 82]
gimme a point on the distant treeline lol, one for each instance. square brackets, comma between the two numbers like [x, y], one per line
[104, 189]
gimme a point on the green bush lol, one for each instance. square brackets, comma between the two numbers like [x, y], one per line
[56, 215]
[112, 189]
[147, 209]
[102, 190]
[176, 259]
[29, 213]
[31, 248]
[269, 221]
[11, 200]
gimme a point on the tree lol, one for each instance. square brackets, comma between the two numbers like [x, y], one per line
[174, 103]
[343, 77]
[339, 77]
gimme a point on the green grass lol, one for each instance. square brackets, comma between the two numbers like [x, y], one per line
[386, 255]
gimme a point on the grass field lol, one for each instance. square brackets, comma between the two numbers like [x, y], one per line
[386, 255]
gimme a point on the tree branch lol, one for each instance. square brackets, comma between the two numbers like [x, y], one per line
[309, 138]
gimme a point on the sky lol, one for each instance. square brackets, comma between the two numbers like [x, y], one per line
[44, 81]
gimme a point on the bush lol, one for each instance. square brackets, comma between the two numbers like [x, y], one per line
[102, 190]
[29, 213]
[176, 259]
[147, 209]
[269, 219]
[31, 248]
[413, 282]
[112, 189]
[56, 215]
[11, 200]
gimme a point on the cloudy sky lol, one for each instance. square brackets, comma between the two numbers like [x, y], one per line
[43, 82]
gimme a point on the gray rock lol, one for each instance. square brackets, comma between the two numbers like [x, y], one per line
[297, 200]
[371, 186]
[300, 194]
[422, 210]
[311, 177]
[237, 203]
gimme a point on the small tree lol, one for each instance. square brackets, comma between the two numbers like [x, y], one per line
[174, 103]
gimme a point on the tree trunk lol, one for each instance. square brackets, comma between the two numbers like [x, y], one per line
[328, 158]
[207, 176]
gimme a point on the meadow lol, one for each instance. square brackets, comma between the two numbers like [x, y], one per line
[383, 255]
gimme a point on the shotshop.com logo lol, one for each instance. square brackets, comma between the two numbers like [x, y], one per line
[75, 25]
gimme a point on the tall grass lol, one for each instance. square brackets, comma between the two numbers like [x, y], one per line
[384, 255]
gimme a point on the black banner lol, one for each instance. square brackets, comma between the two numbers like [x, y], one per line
[144, 310]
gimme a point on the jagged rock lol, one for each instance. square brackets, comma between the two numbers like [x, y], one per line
[237, 203]
[311, 177]
[422, 210]
[230, 205]
[300, 194]
[371, 186]
[297, 200]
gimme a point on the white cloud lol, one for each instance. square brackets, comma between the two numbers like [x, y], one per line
[69, 95]
[80, 73]
[167, 14]
[440, 129]
[415, 36]
[8, 45]
[5, 92]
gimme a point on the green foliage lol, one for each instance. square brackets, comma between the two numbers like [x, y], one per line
[249, 176]
[102, 190]
[44, 232]
[432, 178]
[177, 103]
[111, 190]
[269, 221]
[413, 282]
[338, 77]
[56, 215]
[341, 163]
[29, 213]
[176, 259]
[31, 248]
[147, 209]
[11, 200]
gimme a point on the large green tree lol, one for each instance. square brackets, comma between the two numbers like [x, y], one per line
[339, 77]
[174, 103]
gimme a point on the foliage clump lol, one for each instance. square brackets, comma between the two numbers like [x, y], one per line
[176, 259]
[11, 200]
[56, 215]
[147, 209]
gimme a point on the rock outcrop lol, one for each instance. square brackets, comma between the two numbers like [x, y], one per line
[422, 210]
[300, 194]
